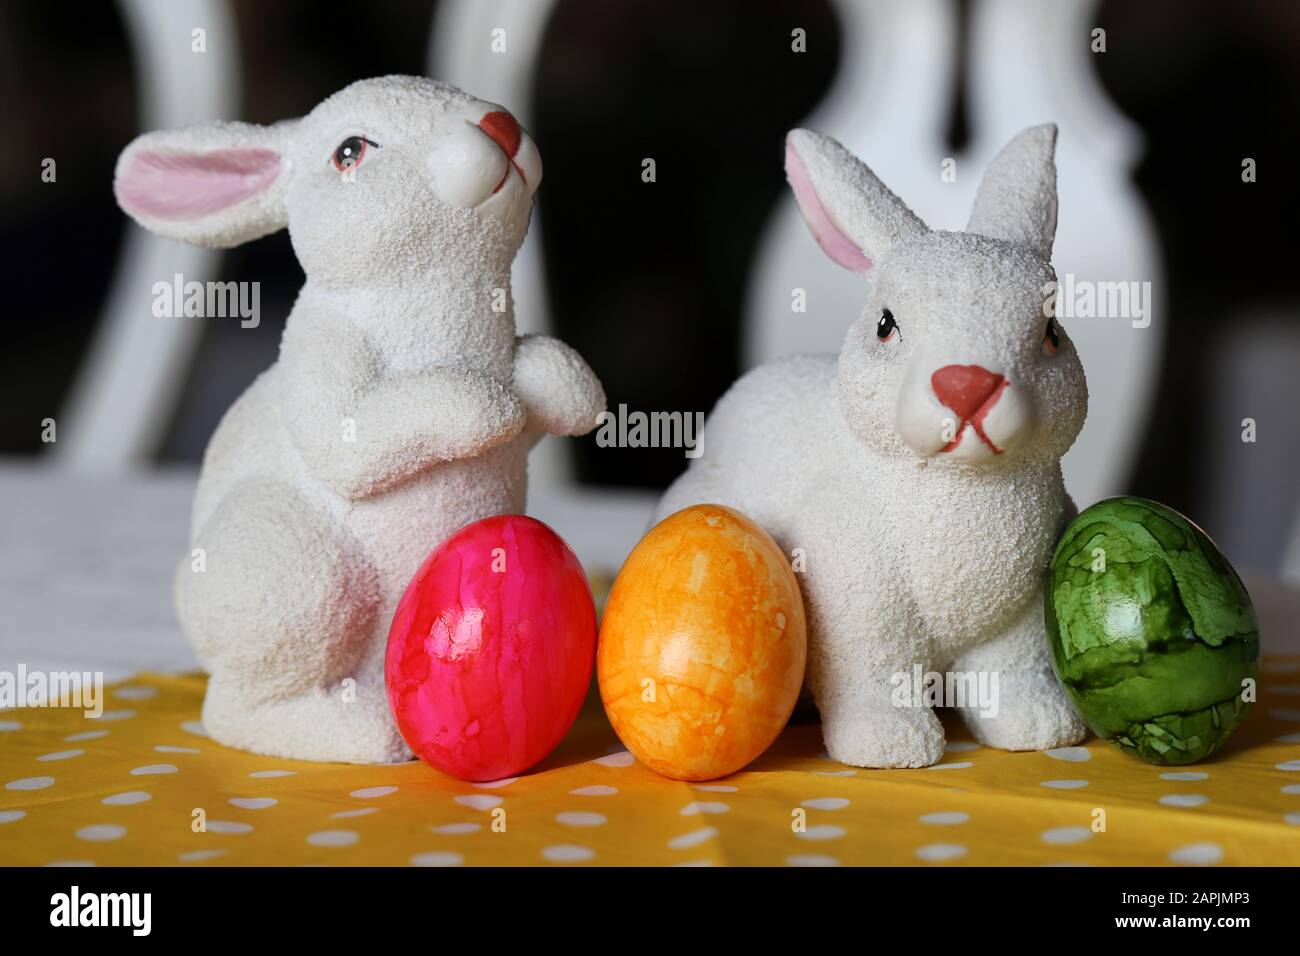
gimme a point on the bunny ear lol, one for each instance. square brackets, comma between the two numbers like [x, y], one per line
[1017, 196]
[851, 213]
[214, 185]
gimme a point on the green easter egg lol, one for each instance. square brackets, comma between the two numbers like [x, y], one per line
[1153, 635]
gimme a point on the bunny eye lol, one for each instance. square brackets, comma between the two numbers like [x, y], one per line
[1051, 338]
[349, 153]
[886, 328]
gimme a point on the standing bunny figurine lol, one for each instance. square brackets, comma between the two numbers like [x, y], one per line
[920, 473]
[401, 408]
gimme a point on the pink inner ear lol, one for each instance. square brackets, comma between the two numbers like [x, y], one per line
[182, 186]
[833, 242]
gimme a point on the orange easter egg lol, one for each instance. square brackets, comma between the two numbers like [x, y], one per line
[702, 644]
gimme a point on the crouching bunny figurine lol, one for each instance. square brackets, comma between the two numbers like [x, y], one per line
[920, 473]
[401, 408]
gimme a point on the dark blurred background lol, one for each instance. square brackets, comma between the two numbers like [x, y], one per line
[648, 284]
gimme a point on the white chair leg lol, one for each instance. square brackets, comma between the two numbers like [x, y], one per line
[128, 388]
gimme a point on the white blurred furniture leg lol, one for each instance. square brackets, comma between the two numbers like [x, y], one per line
[128, 388]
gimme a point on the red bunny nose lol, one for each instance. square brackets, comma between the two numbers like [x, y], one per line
[965, 388]
[503, 130]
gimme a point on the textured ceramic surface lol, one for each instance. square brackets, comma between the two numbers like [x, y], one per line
[919, 471]
[1152, 633]
[490, 652]
[703, 644]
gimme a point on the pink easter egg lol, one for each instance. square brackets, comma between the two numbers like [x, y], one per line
[491, 650]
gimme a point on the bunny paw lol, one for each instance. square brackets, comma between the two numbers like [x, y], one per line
[884, 736]
[1033, 715]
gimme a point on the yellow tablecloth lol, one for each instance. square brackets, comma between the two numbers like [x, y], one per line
[124, 790]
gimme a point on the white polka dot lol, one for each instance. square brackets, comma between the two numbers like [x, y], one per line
[86, 735]
[198, 856]
[7, 725]
[101, 832]
[960, 746]
[126, 799]
[30, 783]
[229, 827]
[152, 769]
[1293, 819]
[1286, 691]
[1071, 754]
[1288, 739]
[265, 774]
[811, 859]
[457, 829]
[835, 773]
[347, 814]
[496, 784]
[1064, 784]
[946, 819]
[9, 816]
[135, 692]
[253, 803]
[1198, 854]
[714, 787]
[959, 765]
[114, 715]
[1285, 713]
[596, 790]
[620, 759]
[1183, 800]
[693, 863]
[366, 793]
[704, 806]
[1066, 835]
[437, 859]
[825, 803]
[580, 818]
[60, 755]
[333, 838]
[1185, 775]
[1291, 788]
[168, 749]
[195, 727]
[694, 838]
[479, 801]
[1280, 667]
[937, 852]
[70, 863]
[567, 853]
[1290, 765]
[822, 832]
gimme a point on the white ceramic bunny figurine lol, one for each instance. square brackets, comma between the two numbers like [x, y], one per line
[402, 406]
[920, 474]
